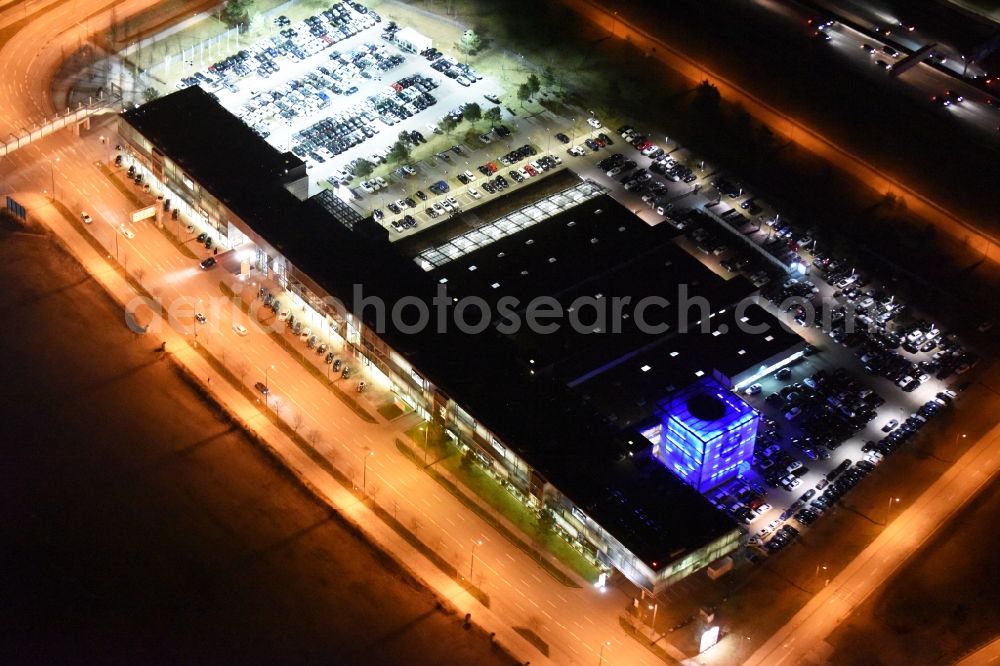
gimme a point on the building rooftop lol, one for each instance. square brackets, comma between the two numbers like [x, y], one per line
[649, 510]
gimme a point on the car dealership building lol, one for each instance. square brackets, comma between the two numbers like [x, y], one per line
[557, 415]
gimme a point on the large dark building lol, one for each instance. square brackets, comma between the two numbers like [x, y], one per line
[558, 414]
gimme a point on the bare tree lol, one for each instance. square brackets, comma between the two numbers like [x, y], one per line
[140, 273]
[298, 421]
[314, 437]
[242, 368]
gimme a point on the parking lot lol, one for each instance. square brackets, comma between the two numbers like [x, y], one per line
[337, 87]
[874, 373]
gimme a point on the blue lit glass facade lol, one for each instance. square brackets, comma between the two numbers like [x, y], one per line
[705, 432]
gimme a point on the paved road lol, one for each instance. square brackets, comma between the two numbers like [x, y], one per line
[987, 655]
[808, 136]
[802, 640]
[573, 622]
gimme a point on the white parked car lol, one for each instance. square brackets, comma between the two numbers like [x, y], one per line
[86, 218]
[469, 175]
[240, 329]
[474, 193]
[594, 122]
[126, 232]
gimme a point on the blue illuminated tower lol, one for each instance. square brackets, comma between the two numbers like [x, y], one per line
[705, 433]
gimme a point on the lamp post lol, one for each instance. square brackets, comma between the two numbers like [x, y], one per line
[653, 607]
[888, 512]
[364, 476]
[267, 387]
[600, 657]
[52, 174]
[426, 428]
[472, 561]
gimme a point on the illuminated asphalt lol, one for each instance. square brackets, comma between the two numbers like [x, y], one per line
[802, 639]
[574, 622]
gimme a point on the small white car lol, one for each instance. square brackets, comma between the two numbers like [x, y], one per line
[594, 122]
[126, 232]
[86, 218]
[474, 193]
[240, 329]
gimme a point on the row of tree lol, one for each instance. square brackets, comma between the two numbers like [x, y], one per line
[399, 152]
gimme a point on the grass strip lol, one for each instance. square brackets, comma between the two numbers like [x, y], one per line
[121, 187]
[281, 340]
[176, 242]
[492, 520]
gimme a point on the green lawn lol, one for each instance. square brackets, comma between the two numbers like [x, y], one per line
[502, 501]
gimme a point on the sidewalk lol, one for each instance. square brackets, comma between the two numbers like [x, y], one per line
[309, 473]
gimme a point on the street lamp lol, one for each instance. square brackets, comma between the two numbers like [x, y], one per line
[600, 657]
[472, 561]
[267, 387]
[52, 173]
[653, 607]
[888, 512]
[426, 428]
[364, 477]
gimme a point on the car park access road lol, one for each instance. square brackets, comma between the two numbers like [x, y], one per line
[801, 640]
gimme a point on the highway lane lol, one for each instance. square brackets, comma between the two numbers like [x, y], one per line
[919, 83]
[806, 135]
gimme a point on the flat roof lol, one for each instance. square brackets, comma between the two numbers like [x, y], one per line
[648, 509]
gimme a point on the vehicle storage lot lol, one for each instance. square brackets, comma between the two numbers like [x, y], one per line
[876, 371]
[333, 89]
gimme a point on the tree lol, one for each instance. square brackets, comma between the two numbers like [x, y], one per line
[472, 112]
[149, 94]
[546, 522]
[236, 11]
[363, 168]
[706, 97]
[493, 115]
[448, 124]
[523, 93]
[470, 42]
[399, 152]
[534, 84]
[549, 76]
